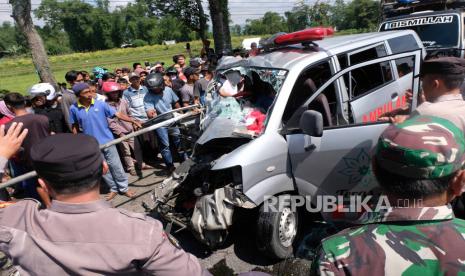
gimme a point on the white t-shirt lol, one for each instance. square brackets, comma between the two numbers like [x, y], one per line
[101, 97]
[229, 89]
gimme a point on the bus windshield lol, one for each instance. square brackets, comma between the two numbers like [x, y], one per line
[435, 31]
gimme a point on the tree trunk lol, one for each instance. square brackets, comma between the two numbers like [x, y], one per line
[22, 17]
[226, 32]
[219, 15]
[202, 21]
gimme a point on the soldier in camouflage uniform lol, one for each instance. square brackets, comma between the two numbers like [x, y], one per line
[419, 160]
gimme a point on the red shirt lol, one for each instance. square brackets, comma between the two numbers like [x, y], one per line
[5, 120]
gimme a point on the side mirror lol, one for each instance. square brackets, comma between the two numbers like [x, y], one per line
[311, 123]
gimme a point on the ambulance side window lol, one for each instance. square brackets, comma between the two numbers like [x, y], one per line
[404, 66]
[366, 79]
[386, 97]
[306, 85]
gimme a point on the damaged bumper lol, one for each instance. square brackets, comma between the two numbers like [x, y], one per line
[215, 212]
[206, 209]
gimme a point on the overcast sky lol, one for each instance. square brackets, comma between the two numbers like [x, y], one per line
[240, 10]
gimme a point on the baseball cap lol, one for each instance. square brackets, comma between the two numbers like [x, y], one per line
[78, 87]
[133, 75]
[43, 89]
[189, 71]
[423, 147]
[171, 70]
[196, 62]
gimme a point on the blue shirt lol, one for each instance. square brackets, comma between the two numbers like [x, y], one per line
[93, 120]
[162, 102]
[135, 100]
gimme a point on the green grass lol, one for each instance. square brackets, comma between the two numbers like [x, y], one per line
[18, 74]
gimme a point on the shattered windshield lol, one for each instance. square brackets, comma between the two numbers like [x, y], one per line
[440, 31]
[241, 100]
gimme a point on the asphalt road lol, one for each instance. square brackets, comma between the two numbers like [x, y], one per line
[239, 255]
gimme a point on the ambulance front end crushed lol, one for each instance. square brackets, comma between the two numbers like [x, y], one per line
[199, 196]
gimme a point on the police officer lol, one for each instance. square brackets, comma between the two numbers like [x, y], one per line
[418, 163]
[81, 234]
[442, 79]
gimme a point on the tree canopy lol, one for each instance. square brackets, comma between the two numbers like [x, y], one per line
[357, 14]
[190, 12]
[76, 25]
[93, 27]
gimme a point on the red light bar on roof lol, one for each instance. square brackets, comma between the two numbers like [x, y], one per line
[306, 35]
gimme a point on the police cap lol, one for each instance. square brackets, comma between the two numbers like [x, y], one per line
[66, 157]
[444, 66]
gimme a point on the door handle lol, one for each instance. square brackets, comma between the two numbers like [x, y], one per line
[310, 147]
[394, 96]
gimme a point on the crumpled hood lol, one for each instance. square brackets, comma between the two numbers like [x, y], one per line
[219, 128]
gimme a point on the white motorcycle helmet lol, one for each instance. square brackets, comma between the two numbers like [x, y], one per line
[43, 89]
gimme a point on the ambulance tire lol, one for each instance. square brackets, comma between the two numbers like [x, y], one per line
[276, 232]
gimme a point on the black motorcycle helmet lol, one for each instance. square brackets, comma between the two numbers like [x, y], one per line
[154, 81]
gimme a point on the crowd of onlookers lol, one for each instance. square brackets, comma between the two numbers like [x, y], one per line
[123, 100]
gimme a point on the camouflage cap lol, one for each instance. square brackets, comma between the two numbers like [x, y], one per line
[423, 147]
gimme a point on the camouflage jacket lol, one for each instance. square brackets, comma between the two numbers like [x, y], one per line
[399, 241]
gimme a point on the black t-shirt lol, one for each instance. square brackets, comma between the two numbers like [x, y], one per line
[55, 117]
[177, 85]
[200, 87]
[38, 129]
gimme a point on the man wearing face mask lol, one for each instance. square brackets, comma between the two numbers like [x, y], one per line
[159, 100]
[44, 102]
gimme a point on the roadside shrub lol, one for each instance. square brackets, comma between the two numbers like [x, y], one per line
[139, 43]
[57, 49]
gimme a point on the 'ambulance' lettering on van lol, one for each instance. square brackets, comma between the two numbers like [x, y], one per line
[378, 112]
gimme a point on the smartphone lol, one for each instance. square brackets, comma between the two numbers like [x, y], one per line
[147, 64]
